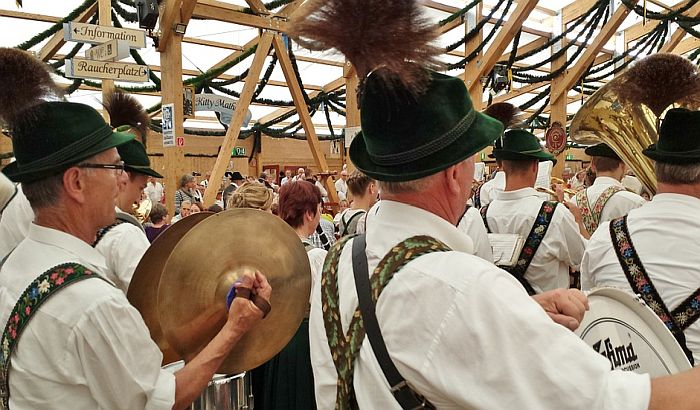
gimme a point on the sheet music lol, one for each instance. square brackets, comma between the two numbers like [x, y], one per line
[544, 174]
[479, 169]
[506, 248]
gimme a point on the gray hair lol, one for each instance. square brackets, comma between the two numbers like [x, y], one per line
[185, 179]
[416, 185]
[675, 174]
[44, 192]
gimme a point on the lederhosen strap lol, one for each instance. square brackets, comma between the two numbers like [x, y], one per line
[345, 347]
[38, 292]
[678, 320]
[121, 218]
[346, 225]
[483, 211]
[466, 209]
[591, 216]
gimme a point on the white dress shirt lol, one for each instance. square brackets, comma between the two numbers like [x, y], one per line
[464, 333]
[155, 191]
[14, 222]
[473, 225]
[341, 187]
[562, 246]
[122, 247]
[666, 235]
[488, 191]
[618, 205]
[86, 347]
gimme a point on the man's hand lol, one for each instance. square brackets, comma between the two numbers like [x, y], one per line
[243, 314]
[564, 306]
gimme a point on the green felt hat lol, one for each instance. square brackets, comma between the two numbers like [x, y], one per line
[679, 138]
[404, 139]
[602, 150]
[496, 146]
[58, 135]
[136, 159]
[520, 145]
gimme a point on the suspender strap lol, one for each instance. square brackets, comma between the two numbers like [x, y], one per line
[345, 347]
[591, 216]
[346, 225]
[403, 393]
[38, 292]
[641, 284]
[463, 213]
[532, 244]
[102, 232]
[483, 211]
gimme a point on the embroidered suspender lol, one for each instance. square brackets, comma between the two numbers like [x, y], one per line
[38, 292]
[532, 242]
[591, 217]
[345, 347]
[678, 320]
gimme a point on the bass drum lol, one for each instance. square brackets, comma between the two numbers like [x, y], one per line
[224, 392]
[630, 335]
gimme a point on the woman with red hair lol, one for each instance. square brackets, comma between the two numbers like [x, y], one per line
[286, 381]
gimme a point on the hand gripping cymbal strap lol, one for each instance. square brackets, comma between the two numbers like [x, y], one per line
[403, 393]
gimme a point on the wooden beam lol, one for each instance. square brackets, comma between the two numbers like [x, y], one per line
[471, 21]
[576, 9]
[687, 45]
[235, 54]
[679, 34]
[330, 87]
[518, 92]
[105, 17]
[56, 41]
[303, 111]
[257, 6]
[29, 16]
[352, 108]
[534, 44]
[503, 38]
[234, 129]
[637, 30]
[186, 11]
[590, 53]
[167, 22]
[224, 12]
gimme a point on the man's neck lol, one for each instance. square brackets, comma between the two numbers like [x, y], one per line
[614, 175]
[361, 203]
[682, 189]
[515, 182]
[428, 201]
[62, 220]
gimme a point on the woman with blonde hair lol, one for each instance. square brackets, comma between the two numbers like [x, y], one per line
[251, 195]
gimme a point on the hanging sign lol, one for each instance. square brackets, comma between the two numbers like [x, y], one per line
[103, 70]
[188, 106]
[168, 125]
[225, 106]
[350, 133]
[113, 50]
[555, 138]
[94, 34]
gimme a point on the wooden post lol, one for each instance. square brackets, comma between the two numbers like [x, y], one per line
[105, 18]
[171, 92]
[352, 108]
[303, 112]
[234, 129]
[558, 106]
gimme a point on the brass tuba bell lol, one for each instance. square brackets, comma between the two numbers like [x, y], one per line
[625, 113]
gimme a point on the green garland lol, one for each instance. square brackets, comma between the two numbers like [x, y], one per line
[56, 27]
[474, 31]
[459, 14]
[269, 6]
[674, 15]
[129, 16]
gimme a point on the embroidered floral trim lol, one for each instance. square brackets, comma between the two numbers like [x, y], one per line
[532, 243]
[34, 296]
[591, 217]
[345, 347]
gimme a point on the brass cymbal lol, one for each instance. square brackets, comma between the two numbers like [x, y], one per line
[143, 288]
[204, 265]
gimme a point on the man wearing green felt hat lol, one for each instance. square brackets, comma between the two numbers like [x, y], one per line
[607, 198]
[553, 242]
[124, 242]
[661, 249]
[71, 338]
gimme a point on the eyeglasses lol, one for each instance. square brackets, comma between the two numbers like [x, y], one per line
[118, 168]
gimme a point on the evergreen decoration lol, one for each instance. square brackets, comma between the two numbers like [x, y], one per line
[56, 27]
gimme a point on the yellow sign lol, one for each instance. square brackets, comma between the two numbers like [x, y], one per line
[82, 68]
[94, 34]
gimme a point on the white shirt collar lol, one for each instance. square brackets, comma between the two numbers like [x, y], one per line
[666, 198]
[82, 251]
[517, 194]
[607, 181]
[404, 221]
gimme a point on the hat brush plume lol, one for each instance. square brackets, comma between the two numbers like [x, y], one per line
[372, 34]
[508, 114]
[124, 109]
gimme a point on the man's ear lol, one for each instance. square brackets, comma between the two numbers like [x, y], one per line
[75, 184]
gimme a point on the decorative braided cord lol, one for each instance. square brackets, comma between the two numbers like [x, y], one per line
[638, 279]
[591, 216]
[102, 232]
[39, 291]
[345, 347]
[532, 243]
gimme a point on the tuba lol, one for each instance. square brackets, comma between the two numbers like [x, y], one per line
[625, 113]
